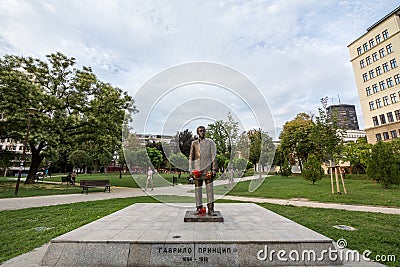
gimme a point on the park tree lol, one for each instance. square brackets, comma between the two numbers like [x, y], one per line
[80, 159]
[327, 136]
[296, 141]
[6, 157]
[243, 145]
[184, 140]
[155, 156]
[262, 149]
[225, 134]
[73, 108]
[240, 164]
[160, 147]
[180, 162]
[232, 130]
[281, 160]
[312, 169]
[217, 132]
[383, 164]
[357, 153]
[222, 162]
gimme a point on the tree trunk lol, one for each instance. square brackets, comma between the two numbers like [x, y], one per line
[35, 163]
[300, 165]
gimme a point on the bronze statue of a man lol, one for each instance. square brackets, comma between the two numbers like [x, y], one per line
[203, 165]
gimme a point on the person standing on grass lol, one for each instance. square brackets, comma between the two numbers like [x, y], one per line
[73, 177]
[150, 178]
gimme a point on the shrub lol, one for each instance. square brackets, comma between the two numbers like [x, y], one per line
[312, 170]
[383, 165]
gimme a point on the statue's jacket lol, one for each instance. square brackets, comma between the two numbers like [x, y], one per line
[202, 155]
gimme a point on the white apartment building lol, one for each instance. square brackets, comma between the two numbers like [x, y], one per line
[375, 58]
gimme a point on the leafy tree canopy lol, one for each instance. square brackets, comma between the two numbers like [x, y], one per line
[74, 108]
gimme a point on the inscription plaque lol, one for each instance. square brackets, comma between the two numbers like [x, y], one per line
[194, 254]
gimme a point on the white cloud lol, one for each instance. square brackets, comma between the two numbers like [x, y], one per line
[295, 51]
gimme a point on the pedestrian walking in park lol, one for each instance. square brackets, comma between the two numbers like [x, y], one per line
[150, 178]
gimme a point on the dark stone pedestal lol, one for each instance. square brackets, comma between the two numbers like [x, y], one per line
[191, 217]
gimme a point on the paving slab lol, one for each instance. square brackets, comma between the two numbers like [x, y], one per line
[151, 234]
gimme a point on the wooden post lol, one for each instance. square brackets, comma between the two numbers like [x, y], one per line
[344, 187]
[331, 171]
[337, 181]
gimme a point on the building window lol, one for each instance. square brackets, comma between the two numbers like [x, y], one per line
[378, 70]
[385, 67]
[385, 100]
[385, 136]
[377, 38]
[390, 116]
[385, 34]
[368, 90]
[393, 63]
[371, 74]
[389, 82]
[371, 43]
[393, 134]
[378, 103]
[382, 85]
[375, 88]
[375, 120]
[365, 47]
[368, 60]
[393, 98]
[397, 78]
[397, 114]
[359, 51]
[375, 56]
[382, 52]
[372, 105]
[378, 137]
[362, 64]
[382, 118]
[365, 77]
[389, 48]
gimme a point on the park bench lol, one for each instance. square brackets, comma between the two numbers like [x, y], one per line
[86, 184]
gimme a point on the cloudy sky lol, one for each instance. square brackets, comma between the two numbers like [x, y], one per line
[295, 52]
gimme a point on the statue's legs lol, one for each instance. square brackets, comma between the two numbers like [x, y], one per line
[210, 191]
[198, 192]
[210, 197]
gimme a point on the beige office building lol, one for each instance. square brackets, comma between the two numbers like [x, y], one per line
[375, 59]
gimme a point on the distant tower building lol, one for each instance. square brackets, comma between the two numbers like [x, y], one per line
[375, 58]
[345, 114]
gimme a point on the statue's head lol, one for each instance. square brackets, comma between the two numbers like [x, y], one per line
[201, 132]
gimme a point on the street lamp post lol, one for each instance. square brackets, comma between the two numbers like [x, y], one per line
[31, 112]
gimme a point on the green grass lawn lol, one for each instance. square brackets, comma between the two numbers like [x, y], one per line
[7, 186]
[24, 230]
[7, 189]
[359, 191]
[135, 181]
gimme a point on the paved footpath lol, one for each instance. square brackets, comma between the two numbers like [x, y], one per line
[178, 190]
